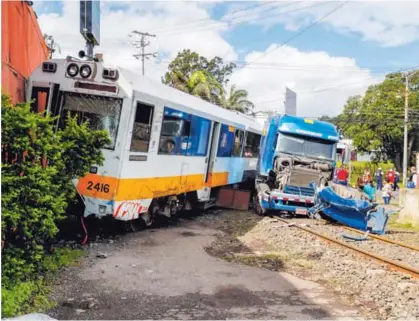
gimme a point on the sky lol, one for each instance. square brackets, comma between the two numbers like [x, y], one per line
[325, 51]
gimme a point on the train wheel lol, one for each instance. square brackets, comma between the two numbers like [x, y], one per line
[149, 217]
[136, 225]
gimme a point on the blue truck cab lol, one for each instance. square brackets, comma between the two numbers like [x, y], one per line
[296, 155]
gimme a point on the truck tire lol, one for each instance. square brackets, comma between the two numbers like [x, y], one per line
[256, 206]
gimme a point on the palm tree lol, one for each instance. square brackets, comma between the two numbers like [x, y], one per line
[200, 83]
[237, 100]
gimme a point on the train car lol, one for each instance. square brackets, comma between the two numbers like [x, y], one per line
[169, 150]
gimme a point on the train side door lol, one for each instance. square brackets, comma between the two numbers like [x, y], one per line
[210, 160]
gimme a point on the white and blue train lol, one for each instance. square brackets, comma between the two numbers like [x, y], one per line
[169, 150]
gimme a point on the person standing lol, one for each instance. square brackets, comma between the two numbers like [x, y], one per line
[379, 179]
[370, 190]
[367, 177]
[342, 176]
[390, 176]
[413, 178]
[387, 191]
[335, 176]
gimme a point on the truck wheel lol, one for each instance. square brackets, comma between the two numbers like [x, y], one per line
[258, 209]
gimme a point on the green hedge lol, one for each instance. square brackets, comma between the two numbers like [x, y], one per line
[38, 165]
[358, 168]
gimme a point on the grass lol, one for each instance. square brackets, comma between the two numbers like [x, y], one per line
[303, 263]
[270, 261]
[231, 249]
[393, 223]
[32, 295]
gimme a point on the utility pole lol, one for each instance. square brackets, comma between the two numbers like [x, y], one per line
[142, 43]
[406, 122]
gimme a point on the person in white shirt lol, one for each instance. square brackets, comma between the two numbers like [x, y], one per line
[387, 191]
[413, 176]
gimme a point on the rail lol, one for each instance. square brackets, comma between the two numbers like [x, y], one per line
[384, 239]
[391, 264]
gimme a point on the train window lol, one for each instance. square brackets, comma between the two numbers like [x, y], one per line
[199, 134]
[142, 128]
[238, 143]
[175, 131]
[40, 96]
[226, 141]
[101, 113]
[251, 147]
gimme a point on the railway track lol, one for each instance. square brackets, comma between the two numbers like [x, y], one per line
[378, 237]
[384, 239]
[392, 264]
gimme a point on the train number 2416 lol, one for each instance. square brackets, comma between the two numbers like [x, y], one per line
[100, 187]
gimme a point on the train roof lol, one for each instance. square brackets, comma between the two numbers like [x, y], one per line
[150, 87]
[131, 83]
[308, 127]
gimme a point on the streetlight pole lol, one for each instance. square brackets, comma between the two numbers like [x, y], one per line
[406, 120]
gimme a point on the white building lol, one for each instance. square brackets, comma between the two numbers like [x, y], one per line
[290, 102]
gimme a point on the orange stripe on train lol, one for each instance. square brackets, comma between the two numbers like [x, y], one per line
[125, 189]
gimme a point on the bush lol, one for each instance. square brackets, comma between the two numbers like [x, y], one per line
[358, 168]
[38, 166]
[28, 296]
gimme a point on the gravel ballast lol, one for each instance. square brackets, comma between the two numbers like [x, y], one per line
[367, 284]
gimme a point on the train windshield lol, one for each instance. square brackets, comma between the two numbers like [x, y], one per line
[305, 146]
[101, 113]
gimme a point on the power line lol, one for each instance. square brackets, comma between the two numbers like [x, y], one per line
[210, 19]
[299, 33]
[216, 25]
[142, 43]
[303, 68]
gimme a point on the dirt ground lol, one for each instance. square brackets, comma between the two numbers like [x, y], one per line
[187, 270]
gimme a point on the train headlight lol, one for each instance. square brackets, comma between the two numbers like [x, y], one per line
[72, 70]
[85, 71]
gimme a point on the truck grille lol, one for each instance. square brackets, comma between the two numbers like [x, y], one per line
[303, 177]
[299, 190]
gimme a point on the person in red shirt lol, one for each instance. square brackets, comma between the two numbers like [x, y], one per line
[390, 176]
[342, 176]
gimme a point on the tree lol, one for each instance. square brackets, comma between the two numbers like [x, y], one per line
[198, 76]
[237, 100]
[375, 122]
[332, 120]
[199, 83]
[187, 62]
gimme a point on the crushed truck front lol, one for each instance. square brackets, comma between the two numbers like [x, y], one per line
[296, 155]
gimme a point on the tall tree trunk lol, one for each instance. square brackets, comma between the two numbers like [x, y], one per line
[398, 162]
[410, 145]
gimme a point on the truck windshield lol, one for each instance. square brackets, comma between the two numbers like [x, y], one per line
[304, 146]
[171, 126]
[101, 113]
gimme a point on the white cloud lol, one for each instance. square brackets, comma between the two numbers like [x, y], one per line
[310, 74]
[322, 83]
[389, 23]
[118, 19]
